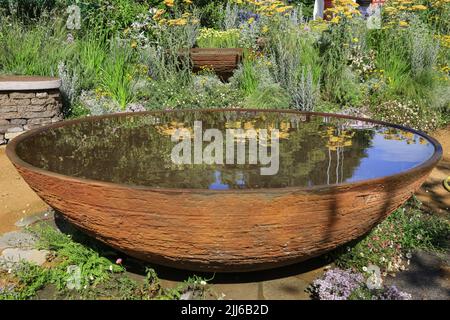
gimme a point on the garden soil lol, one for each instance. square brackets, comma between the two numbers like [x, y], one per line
[17, 200]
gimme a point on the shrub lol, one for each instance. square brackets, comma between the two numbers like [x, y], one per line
[28, 11]
[205, 91]
[292, 63]
[108, 17]
[339, 83]
[408, 113]
[69, 88]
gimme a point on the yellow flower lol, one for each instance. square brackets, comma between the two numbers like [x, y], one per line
[169, 3]
[158, 14]
[187, 1]
[177, 22]
[403, 23]
[280, 9]
[419, 7]
[390, 9]
[335, 19]
[355, 39]
[133, 44]
[265, 29]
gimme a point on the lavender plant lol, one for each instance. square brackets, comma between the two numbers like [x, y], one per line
[424, 47]
[230, 20]
[290, 69]
[70, 87]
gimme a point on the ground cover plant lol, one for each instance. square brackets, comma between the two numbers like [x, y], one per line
[391, 244]
[78, 268]
[360, 267]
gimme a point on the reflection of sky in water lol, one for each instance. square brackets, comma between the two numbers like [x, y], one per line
[219, 185]
[386, 157]
[313, 152]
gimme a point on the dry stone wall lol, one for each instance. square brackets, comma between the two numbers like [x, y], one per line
[22, 110]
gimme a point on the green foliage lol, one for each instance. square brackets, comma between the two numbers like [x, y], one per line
[346, 65]
[99, 276]
[33, 50]
[248, 77]
[268, 97]
[78, 110]
[407, 59]
[117, 73]
[205, 91]
[29, 10]
[211, 14]
[108, 17]
[30, 279]
[92, 53]
[390, 244]
[95, 269]
[293, 62]
[339, 84]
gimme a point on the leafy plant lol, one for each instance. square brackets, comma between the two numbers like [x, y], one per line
[339, 83]
[391, 243]
[117, 73]
[94, 268]
[290, 68]
[91, 55]
[35, 49]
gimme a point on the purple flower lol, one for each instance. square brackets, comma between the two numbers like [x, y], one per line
[244, 16]
[393, 293]
[337, 284]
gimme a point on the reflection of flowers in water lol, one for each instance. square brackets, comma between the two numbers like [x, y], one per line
[338, 138]
[170, 128]
[280, 131]
[402, 135]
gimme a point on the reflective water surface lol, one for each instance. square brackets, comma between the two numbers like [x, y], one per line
[313, 150]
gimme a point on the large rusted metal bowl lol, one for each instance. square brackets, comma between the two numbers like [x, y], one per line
[223, 230]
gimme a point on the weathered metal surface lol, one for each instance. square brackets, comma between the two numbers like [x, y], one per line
[222, 61]
[226, 231]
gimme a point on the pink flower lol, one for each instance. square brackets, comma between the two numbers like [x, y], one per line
[119, 261]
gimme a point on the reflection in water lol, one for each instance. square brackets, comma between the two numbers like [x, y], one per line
[136, 150]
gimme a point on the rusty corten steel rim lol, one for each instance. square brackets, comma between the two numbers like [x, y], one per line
[428, 164]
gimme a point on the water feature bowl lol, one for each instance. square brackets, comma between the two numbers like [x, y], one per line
[113, 177]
